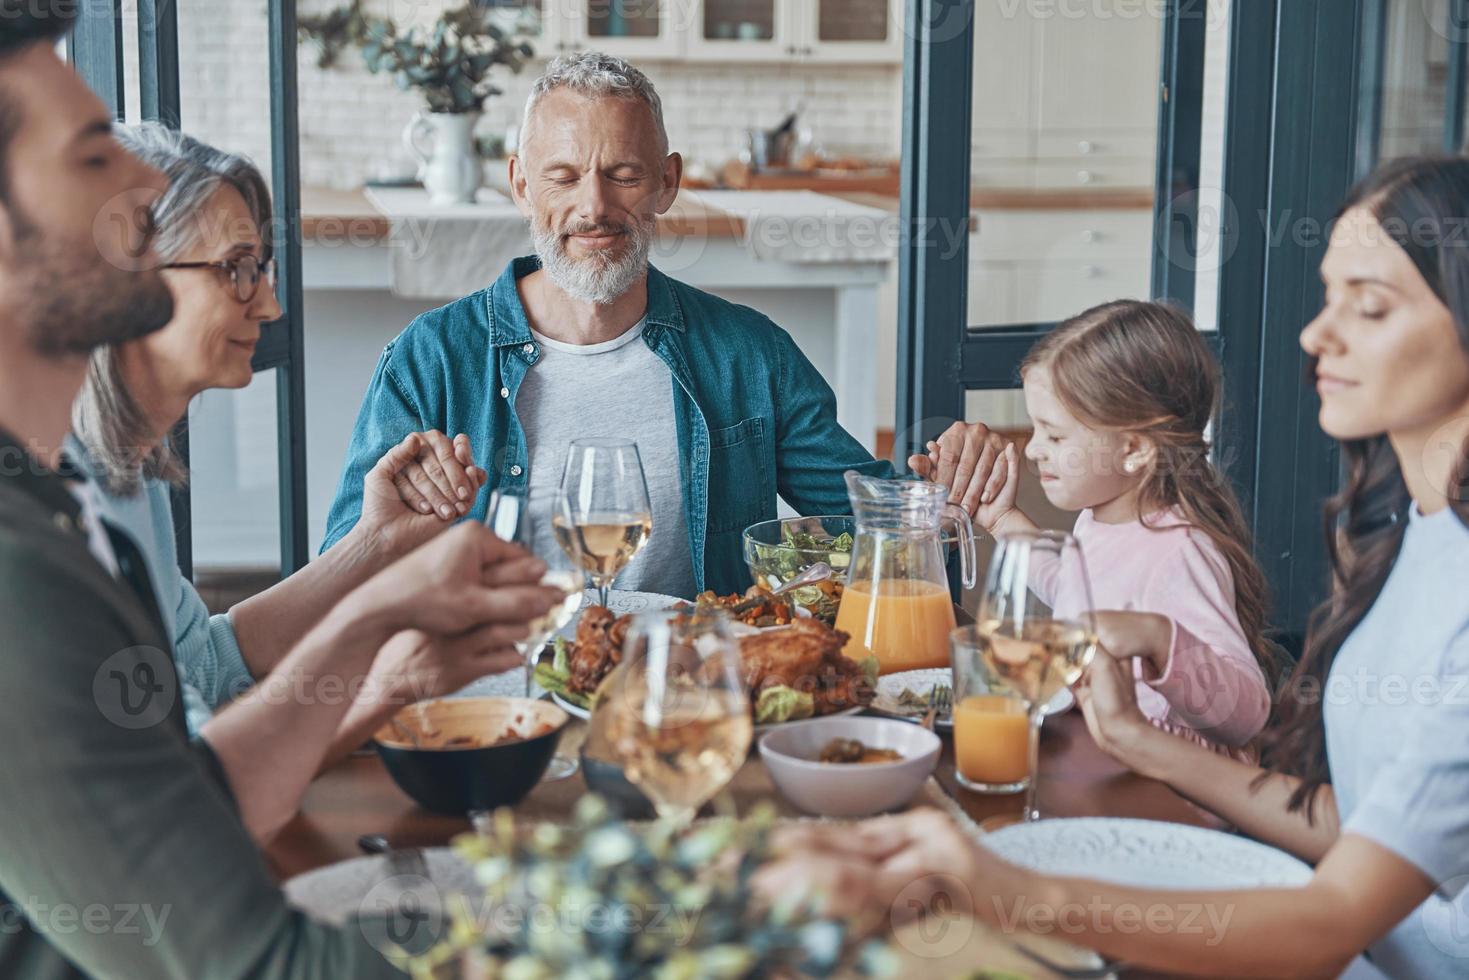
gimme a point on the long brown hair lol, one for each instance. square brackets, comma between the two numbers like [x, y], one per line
[1131, 366]
[1420, 204]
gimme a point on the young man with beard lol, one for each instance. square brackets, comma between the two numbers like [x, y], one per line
[122, 847]
[587, 339]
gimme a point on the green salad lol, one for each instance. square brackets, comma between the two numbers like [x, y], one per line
[774, 704]
[776, 564]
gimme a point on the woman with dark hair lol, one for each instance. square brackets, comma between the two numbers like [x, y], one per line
[1367, 766]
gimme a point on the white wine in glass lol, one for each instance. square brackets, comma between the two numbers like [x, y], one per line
[1026, 646]
[610, 517]
[680, 722]
[529, 520]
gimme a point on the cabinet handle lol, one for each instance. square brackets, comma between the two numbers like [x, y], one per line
[1089, 236]
[1085, 176]
[1085, 147]
[1091, 271]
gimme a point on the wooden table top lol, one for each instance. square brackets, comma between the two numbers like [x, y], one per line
[357, 797]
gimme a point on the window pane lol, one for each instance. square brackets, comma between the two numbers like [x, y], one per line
[852, 20]
[1063, 157]
[1414, 75]
[623, 18]
[744, 20]
[234, 484]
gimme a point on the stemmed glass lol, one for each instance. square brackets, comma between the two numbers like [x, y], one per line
[1035, 633]
[610, 516]
[680, 713]
[529, 519]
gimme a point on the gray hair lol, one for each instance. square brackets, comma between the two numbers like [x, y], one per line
[106, 417]
[593, 73]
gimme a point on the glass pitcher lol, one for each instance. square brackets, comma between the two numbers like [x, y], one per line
[896, 606]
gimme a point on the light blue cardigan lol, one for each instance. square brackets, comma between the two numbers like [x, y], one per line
[210, 666]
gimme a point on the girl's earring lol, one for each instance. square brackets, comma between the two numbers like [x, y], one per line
[1130, 466]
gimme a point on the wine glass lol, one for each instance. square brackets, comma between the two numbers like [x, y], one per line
[529, 519]
[1035, 633]
[610, 515]
[680, 713]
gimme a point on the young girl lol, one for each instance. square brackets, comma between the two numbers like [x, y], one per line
[1120, 397]
[1369, 783]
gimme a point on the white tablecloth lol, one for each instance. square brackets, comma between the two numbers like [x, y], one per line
[446, 251]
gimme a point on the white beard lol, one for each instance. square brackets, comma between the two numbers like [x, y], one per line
[595, 279]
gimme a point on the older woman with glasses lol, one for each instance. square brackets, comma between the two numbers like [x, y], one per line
[213, 235]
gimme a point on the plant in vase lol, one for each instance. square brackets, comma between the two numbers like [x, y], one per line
[450, 64]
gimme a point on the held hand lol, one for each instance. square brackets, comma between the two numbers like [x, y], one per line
[1132, 635]
[419, 487]
[980, 468]
[460, 581]
[896, 868]
[1108, 698]
[414, 666]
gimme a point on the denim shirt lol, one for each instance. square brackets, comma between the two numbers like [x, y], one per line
[755, 419]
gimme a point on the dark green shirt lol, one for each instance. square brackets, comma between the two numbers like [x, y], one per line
[121, 851]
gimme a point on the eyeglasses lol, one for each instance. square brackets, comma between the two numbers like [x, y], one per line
[246, 272]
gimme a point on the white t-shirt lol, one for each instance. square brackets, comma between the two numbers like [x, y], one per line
[617, 389]
[1396, 708]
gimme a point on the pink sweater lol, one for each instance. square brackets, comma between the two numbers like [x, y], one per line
[1213, 691]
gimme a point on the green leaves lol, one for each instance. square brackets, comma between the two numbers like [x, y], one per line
[449, 64]
[600, 898]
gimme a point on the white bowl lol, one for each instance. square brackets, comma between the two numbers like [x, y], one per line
[849, 790]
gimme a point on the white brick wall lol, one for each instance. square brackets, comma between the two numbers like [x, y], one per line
[352, 121]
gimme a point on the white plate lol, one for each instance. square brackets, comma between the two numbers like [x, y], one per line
[890, 688]
[338, 892]
[1146, 854]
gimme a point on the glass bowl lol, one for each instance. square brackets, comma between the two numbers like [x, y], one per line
[778, 551]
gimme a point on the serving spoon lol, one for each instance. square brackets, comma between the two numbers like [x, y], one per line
[818, 572]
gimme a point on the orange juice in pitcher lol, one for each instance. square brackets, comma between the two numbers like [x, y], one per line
[896, 606]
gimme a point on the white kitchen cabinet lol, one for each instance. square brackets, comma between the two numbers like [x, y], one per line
[1004, 81]
[799, 31]
[1098, 73]
[1045, 266]
[643, 29]
[851, 31]
[741, 30]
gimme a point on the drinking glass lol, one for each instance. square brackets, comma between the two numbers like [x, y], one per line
[529, 519]
[610, 517]
[680, 714]
[1035, 635]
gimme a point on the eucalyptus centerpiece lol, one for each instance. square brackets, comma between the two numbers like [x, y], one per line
[606, 900]
[450, 64]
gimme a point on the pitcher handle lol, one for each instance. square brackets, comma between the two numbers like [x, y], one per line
[968, 553]
[416, 126]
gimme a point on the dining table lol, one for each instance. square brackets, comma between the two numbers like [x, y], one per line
[357, 798]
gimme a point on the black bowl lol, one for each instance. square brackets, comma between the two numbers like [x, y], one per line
[457, 780]
[606, 779]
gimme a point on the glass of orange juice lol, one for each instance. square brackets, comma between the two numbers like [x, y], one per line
[996, 735]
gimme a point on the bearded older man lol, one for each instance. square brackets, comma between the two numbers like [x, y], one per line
[586, 339]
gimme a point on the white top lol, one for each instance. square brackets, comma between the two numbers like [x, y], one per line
[618, 389]
[1397, 739]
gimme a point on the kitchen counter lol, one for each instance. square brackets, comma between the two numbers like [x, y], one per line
[346, 216]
